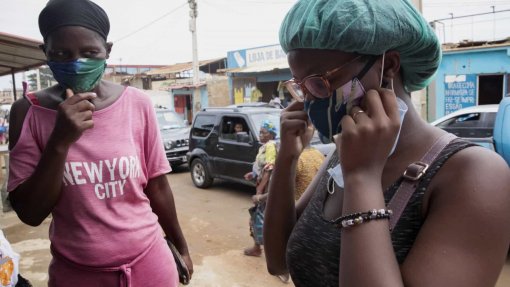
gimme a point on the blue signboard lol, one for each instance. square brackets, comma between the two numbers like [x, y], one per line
[460, 92]
[236, 59]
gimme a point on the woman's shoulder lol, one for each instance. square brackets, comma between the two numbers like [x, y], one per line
[475, 176]
[138, 96]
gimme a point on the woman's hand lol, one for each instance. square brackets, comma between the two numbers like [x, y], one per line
[368, 135]
[295, 130]
[189, 263]
[74, 117]
[249, 176]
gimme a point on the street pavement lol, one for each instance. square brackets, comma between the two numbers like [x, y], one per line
[214, 221]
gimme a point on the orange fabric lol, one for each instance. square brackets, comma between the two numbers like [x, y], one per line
[308, 165]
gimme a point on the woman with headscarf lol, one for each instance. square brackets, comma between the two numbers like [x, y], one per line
[89, 153]
[262, 167]
[399, 203]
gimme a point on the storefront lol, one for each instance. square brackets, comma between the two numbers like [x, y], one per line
[471, 76]
[257, 74]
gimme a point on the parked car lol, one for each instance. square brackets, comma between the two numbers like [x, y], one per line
[474, 122]
[216, 151]
[486, 125]
[175, 135]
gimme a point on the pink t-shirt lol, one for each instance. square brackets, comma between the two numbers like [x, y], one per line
[103, 217]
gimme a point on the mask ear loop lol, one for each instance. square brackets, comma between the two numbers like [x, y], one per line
[382, 70]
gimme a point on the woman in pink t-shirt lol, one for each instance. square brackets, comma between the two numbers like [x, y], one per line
[89, 152]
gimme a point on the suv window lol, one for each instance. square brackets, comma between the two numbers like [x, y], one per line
[203, 125]
[228, 128]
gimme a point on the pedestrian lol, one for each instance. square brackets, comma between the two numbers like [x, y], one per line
[276, 101]
[262, 168]
[309, 162]
[354, 64]
[3, 129]
[89, 153]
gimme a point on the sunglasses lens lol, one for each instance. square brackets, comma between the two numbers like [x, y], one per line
[317, 87]
[295, 90]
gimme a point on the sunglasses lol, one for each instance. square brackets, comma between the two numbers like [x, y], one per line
[319, 85]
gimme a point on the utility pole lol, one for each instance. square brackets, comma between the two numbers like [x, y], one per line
[38, 78]
[193, 29]
[494, 23]
[451, 29]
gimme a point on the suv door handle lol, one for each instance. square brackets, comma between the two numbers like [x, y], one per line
[219, 147]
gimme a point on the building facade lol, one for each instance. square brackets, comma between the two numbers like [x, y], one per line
[469, 76]
[257, 74]
[177, 81]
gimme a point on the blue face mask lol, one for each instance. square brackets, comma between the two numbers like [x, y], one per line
[81, 75]
[327, 113]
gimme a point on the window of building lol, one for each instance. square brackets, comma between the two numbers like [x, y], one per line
[490, 89]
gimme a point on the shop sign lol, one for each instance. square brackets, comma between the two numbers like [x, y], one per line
[269, 55]
[460, 92]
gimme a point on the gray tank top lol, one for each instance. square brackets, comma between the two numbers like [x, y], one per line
[314, 246]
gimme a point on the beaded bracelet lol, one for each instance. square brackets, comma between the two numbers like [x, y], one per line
[361, 217]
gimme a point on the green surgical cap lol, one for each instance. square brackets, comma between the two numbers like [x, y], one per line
[369, 27]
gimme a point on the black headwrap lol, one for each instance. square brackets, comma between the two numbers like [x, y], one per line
[84, 13]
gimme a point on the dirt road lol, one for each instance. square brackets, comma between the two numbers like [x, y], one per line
[215, 222]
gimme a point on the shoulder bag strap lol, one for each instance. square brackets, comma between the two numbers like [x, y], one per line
[412, 175]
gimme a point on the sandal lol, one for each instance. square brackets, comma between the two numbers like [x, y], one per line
[285, 278]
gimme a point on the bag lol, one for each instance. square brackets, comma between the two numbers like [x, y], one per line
[182, 269]
[9, 262]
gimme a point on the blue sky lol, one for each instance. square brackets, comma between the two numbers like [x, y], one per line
[226, 25]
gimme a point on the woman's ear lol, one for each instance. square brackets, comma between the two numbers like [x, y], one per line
[391, 65]
[109, 46]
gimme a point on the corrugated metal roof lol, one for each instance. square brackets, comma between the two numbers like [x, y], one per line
[476, 45]
[186, 86]
[259, 68]
[181, 67]
[19, 54]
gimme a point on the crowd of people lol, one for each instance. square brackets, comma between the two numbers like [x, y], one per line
[395, 198]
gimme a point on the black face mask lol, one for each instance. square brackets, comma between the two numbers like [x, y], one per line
[327, 113]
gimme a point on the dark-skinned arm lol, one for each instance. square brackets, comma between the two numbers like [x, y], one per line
[462, 241]
[281, 212]
[35, 198]
[163, 205]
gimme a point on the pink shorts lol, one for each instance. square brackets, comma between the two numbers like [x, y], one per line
[156, 268]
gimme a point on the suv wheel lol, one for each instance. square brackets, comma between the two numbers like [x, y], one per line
[199, 174]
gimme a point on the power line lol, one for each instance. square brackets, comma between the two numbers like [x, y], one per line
[481, 21]
[467, 16]
[150, 23]
[466, 3]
